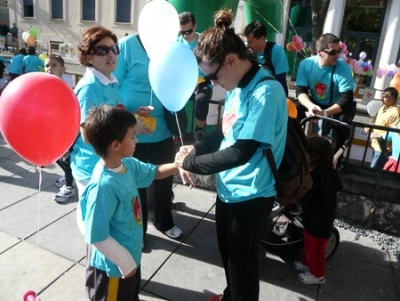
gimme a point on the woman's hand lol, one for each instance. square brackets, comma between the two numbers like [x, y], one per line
[183, 152]
[144, 111]
[141, 128]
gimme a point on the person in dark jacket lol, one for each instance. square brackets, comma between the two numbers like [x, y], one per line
[4, 30]
[319, 207]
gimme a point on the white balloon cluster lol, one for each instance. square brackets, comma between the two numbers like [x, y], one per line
[173, 69]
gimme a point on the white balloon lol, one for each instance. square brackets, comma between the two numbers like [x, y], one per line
[25, 36]
[154, 34]
[373, 107]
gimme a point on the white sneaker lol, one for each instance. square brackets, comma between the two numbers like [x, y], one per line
[309, 278]
[298, 265]
[174, 232]
[60, 182]
[65, 193]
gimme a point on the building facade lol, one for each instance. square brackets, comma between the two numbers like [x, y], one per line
[61, 22]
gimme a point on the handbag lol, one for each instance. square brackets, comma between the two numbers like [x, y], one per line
[170, 119]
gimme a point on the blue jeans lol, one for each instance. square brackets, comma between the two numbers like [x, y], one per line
[375, 159]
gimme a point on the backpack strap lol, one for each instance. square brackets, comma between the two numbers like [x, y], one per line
[271, 160]
[267, 152]
[268, 57]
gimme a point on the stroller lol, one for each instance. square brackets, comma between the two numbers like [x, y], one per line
[283, 232]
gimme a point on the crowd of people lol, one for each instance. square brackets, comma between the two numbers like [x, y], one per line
[119, 165]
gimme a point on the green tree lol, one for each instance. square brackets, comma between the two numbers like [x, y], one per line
[319, 9]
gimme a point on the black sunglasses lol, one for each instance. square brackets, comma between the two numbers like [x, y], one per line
[333, 51]
[186, 32]
[214, 76]
[103, 50]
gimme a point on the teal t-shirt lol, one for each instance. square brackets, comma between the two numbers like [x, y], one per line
[278, 59]
[17, 64]
[32, 63]
[91, 91]
[111, 207]
[132, 73]
[318, 80]
[395, 138]
[257, 112]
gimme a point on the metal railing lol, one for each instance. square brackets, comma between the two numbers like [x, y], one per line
[362, 162]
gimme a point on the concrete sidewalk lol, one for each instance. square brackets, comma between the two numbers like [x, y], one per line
[41, 249]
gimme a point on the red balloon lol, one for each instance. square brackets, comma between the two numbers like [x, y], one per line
[39, 117]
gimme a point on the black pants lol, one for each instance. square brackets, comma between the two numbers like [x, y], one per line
[201, 101]
[65, 165]
[239, 229]
[99, 286]
[160, 192]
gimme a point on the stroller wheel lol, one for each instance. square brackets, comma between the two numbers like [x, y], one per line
[333, 243]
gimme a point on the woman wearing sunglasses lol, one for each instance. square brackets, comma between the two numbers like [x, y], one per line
[324, 86]
[255, 118]
[98, 51]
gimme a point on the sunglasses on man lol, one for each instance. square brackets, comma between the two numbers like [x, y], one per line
[186, 32]
[333, 51]
[103, 50]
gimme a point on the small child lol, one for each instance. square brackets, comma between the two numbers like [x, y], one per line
[319, 206]
[388, 115]
[32, 62]
[54, 64]
[110, 205]
[393, 164]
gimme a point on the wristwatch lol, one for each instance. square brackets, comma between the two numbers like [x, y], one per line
[325, 113]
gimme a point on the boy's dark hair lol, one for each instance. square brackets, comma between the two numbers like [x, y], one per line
[321, 152]
[186, 17]
[23, 51]
[57, 58]
[106, 124]
[256, 28]
[325, 39]
[31, 50]
[392, 91]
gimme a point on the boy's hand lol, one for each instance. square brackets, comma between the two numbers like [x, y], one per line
[130, 274]
[186, 177]
[366, 130]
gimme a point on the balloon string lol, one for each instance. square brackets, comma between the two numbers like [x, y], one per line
[151, 96]
[38, 223]
[179, 128]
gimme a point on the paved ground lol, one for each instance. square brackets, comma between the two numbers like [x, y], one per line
[41, 249]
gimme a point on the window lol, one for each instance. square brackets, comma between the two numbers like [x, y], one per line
[28, 8]
[123, 11]
[88, 10]
[57, 9]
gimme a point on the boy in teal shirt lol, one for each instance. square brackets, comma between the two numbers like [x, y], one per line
[110, 205]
